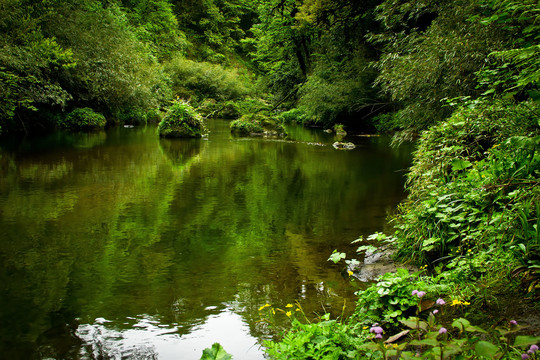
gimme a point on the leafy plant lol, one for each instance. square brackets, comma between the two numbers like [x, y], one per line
[181, 120]
[391, 298]
[82, 119]
[216, 352]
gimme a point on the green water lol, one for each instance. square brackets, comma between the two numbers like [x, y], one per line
[122, 245]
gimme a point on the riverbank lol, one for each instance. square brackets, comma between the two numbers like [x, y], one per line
[471, 224]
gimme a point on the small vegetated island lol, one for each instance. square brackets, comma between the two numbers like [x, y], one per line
[459, 78]
[181, 121]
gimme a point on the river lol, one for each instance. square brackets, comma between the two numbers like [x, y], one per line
[119, 244]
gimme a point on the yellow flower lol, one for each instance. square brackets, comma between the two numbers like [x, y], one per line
[395, 346]
[264, 306]
[350, 273]
[466, 303]
[455, 302]
[288, 313]
[469, 250]
[289, 305]
[273, 311]
[365, 328]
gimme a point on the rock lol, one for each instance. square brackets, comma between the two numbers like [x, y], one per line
[343, 146]
[377, 263]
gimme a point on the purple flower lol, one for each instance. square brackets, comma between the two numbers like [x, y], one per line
[435, 311]
[524, 356]
[420, 294]
[378, 336]
[442, 330]
[440, 301]
[414, 292]
[513, 322]
[533, 348]
[376, 329]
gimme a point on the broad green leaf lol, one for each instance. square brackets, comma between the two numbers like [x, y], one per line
[430, 342]
[486, 349]
[524, 340]
[461, 323]
[336, 256]
[459, 164]
[216, 352]
[412, 323]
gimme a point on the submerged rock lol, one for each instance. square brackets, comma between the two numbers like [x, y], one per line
[343, 146]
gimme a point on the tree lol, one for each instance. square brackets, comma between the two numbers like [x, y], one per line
[29, 65]
[157, 26]
[431, 51]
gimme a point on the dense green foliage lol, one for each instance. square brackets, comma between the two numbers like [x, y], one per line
[181, 121]
[82, 119]
[460, 76]
[125, 59]
[464, 76]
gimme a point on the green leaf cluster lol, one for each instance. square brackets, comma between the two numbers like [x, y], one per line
[327, 339]
[390, 299]
[182, 121]
[82, 119]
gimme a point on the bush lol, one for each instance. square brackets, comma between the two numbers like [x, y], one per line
[181, 121]
[473, 188]
[296, 115]
[153, 116]
[200, 80]
[132, 117]
[257, 124]
[82, 119]
[246, 125]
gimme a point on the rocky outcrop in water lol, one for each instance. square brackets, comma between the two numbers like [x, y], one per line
[343, 146]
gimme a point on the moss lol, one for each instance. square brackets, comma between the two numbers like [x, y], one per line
[82, 119]
[182, 121]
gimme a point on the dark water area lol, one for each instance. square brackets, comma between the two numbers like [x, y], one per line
[119, 244]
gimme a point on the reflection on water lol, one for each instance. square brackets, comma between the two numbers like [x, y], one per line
[148, 338]
[118, 243]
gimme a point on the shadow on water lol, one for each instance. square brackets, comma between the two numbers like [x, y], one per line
[119, 244]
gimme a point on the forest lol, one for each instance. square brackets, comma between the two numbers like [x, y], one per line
[460, 79]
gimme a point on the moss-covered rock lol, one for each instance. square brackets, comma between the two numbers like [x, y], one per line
[257, 124]
[182, 121]
[82, 119]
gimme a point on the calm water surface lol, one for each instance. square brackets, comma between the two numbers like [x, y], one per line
[121, 245]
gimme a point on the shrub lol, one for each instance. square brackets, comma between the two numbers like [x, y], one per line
[200, 80]
[257, 124]
[82, 119]
[132, 117]
[473, 186]
[181, 121]
[246, 125]
[296, 115]
[153, 116]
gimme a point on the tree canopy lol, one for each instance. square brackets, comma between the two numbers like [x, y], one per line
[390, 65]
